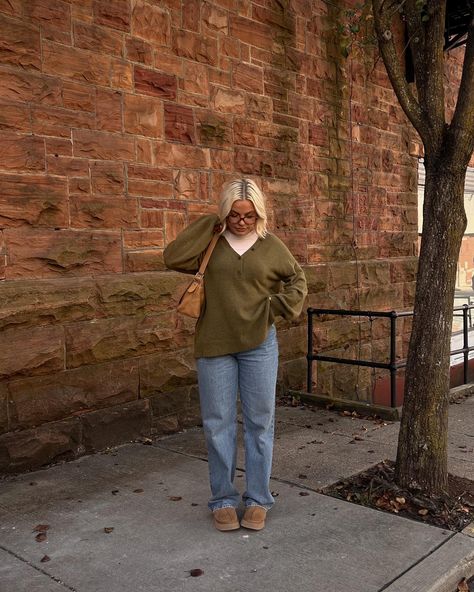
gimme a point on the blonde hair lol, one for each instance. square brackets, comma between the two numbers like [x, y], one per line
[241, 189]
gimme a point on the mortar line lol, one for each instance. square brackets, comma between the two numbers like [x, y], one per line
[420, 560]
[45, 573]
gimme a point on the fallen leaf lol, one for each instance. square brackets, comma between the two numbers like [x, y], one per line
[400, 500]
[41, 528]
[115, 491]
[41, 537]
[175, 498]
[108, 529]
[45, 558]
[462, 586]
[423, 512]
[195, 573]
[194, 504]
[138, 491]
[302, 493]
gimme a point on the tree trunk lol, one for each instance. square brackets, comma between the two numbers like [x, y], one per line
[422, 445]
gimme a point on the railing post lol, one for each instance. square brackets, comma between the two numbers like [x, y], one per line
[309, 355]
[393, 358]
[465, 346]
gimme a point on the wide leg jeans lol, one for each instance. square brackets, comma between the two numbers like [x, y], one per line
[253, 375]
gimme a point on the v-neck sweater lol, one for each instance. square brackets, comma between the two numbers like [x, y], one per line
[244, 293]
[240, 244]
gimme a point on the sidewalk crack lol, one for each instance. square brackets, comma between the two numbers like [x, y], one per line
[42, 571]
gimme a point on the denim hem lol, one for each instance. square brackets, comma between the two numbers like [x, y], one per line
[214, 508]
[265, 507]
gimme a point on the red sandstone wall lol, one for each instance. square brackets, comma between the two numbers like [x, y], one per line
[120, 120]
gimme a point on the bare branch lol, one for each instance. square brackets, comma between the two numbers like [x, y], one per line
[394, 68]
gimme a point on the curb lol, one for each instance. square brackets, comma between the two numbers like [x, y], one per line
[441, 571]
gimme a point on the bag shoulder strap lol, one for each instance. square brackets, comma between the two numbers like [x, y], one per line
[207, 256]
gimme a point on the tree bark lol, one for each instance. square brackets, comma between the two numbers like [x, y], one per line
[422, 444]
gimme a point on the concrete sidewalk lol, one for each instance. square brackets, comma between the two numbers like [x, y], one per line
[154, 498]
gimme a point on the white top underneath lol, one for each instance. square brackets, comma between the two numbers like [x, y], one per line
[240, 244]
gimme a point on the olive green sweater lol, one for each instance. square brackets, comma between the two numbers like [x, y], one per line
[244, 293]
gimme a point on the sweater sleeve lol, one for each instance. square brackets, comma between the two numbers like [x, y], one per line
[184, 253]
[288, 303]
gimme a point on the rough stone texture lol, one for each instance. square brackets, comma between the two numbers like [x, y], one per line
[120, 121]
[60, 440]
[114, 425]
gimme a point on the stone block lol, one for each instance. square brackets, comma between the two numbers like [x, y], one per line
[19, 44]
[56, 15]
[247, 77]
[259, 107]
[38, 200]
[168, 403]
[108, 178]
[43, 253]
[65, 166]
[213, 130]
[228, 101]
[25, 87]
[149, 188]
[342, 275]
[199, 48]
[151, 23]
[44, 352]
[121, 75]
[150, 82]
[160, 373]
[15, 117]
[195, 78]
[180, 156]
[26, 303]
[33, 402]
[31, 449]
[138, 171]
[51, 121]
[138, 50]
[77, 96]
[166, 425]
[151, 218]
[144, 260]
[70, 62]
[103, 212]
[192, 15]
[109, 339]
[215, 19]
[179, 124]
[103, 145]
[138, 294]
[116, 425]
[251, 32]
[97, 39]
[374, 273]
[22, 153]
[143, 116]
[58, 146]
[109, 110]
[113, 13]
[141, 239]
[144, 151]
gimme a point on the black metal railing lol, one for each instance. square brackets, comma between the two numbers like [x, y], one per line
[393, 365]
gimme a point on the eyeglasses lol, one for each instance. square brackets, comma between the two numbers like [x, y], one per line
[247, 218]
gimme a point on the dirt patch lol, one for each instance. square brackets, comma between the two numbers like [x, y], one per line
[376, 488]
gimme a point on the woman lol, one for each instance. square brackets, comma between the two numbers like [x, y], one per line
[251, 279]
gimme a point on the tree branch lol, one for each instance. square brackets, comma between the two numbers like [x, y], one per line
[409, 103]
[426, 34]
[461, 136]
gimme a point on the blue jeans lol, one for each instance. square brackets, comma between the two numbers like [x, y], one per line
[253, 373]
